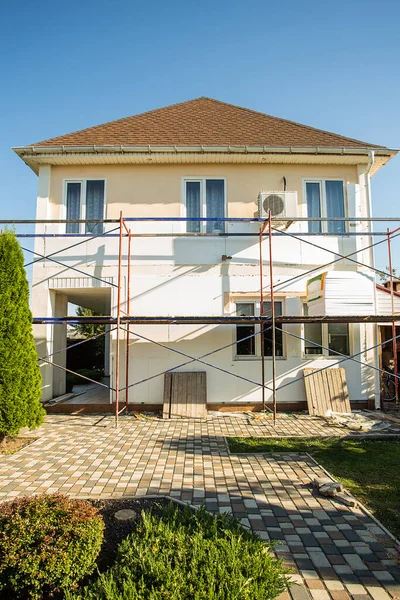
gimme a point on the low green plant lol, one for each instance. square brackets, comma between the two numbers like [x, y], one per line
[47, 543]
[186, 556]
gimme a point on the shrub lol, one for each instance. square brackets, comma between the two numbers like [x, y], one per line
[20, 379]
[186, 556]
[47, 543]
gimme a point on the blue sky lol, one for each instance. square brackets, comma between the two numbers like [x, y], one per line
[333, 65]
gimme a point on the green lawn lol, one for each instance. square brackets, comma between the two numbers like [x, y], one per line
[370, 470]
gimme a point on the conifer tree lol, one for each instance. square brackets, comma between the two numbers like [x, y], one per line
[20, 379]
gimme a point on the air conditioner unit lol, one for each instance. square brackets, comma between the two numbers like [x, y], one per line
[279, 204]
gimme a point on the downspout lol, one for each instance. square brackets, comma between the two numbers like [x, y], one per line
[371, 261]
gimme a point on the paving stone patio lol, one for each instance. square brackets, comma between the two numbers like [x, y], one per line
[337, 552]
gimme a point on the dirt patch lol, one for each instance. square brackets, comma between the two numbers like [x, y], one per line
[13, 445]
[115, 531]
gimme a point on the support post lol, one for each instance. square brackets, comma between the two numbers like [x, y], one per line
[128, 310]
[117, 351]
[262, 229]
[272, 297]
[395, 364]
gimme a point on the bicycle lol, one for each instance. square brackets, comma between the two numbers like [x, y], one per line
[388, 387]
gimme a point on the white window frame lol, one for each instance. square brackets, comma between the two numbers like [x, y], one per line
[324, 352]
[203, 206]
[257, 329]
[83, 183]
[321, 181]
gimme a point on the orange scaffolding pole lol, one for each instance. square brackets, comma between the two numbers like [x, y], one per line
[262, 229]
[128, 309]
[272, 296]
[117, 351]
[395, 363]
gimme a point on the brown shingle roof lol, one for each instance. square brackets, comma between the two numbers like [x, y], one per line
[204, 122]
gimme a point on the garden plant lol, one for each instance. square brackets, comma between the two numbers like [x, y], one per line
[20, 379]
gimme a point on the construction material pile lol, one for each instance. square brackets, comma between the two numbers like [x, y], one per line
[333, 489]
[356, 422]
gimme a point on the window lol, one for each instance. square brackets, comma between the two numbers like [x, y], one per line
[325, 198]
[85, 200]
[268, 331]
[205, 198]
[334, 336]
[248, 343]
[245, 345]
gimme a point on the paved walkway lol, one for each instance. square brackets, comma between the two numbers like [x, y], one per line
[336, 551]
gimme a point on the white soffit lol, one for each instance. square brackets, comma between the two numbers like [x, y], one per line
[69, 157]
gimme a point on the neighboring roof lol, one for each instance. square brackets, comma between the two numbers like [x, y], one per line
[204, 122]
[381, 288]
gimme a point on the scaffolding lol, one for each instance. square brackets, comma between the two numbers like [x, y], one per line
[268, 320]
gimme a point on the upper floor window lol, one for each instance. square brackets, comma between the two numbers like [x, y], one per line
[84, 199]
[205, 198]
[325, 198]
[248, 343]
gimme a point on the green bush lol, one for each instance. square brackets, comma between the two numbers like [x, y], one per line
[20, 379]
[47, 543]
[186, 556]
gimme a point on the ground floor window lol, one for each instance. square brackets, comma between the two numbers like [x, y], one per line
[248, 342]
[334, 337]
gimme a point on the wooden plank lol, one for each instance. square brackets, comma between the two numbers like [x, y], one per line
[326, 390]
[311, 391]
[346, 397]
[337, 392]
[185, 395]
[308, 386]
[167, 395]
[202, 395]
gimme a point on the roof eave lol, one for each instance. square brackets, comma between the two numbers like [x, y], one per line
[34, 156]
[197, 149]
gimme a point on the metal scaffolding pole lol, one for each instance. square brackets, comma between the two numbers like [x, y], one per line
[262, 229]
[272, 297]
[117, 351]
[128, 309]
[395, 363]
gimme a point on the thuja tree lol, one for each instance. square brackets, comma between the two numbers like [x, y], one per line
[20, 379]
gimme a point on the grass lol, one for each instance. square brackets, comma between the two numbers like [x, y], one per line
[369, 469]
[189, 556]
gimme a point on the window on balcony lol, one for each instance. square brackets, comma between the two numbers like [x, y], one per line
[325, 198]
[205, 198]
[84, 199]
[248, 343]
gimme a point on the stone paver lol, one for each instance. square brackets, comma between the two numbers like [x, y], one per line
[336, 552]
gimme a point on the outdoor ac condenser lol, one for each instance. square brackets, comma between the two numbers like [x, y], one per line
[280, 204]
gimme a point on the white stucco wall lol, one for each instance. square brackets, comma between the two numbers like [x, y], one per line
[183, 276]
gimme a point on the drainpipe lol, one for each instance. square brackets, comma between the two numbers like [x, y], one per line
[371, 261]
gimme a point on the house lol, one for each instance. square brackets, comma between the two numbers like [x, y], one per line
[209, 159]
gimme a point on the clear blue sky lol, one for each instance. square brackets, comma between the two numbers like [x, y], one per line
[66, 66]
